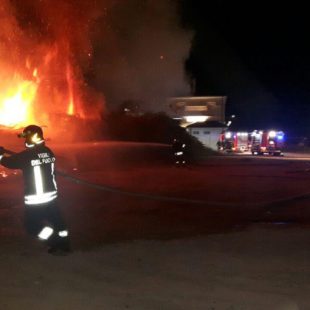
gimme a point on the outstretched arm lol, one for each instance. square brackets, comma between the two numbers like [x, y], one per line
[12, 162]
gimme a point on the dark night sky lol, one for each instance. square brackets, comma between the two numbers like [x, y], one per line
[257, 54]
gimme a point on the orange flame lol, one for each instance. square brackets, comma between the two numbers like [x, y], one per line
[16, 103]
[41, 76]
[70, 110]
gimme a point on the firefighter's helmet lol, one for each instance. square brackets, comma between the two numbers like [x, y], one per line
[33, 134]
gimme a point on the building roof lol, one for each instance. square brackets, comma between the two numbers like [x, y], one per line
[198, 98]
[208, 124]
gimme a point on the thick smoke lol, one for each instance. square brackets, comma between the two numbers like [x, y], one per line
[53, 38]
[140, 53]
[12, 41]
[127, 50]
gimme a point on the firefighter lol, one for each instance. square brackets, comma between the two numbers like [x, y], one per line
[220, 142]
[42, 215]
[179, 152]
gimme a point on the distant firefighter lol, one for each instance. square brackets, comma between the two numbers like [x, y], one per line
[179, 149]
[42, 216]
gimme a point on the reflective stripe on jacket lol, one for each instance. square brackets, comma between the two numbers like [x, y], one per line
[38, 166]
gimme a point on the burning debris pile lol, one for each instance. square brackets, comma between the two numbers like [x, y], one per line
[45, 48]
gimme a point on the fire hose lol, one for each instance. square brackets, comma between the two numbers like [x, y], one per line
[115, 190]
[182, 200]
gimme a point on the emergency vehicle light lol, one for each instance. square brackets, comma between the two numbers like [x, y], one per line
[272, 134]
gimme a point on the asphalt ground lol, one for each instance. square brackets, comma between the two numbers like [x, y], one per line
[220, 194]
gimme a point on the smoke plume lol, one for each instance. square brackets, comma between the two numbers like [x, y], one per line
[140, 55]
[53, 54]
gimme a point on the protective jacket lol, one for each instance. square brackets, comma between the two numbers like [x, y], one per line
[38, 166]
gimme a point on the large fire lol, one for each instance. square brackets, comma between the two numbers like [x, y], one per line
[31, 99]
[16, 101]
[40, 72]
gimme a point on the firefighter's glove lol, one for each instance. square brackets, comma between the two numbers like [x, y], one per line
[2, 150]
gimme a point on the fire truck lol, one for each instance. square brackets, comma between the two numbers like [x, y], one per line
[234, 141]
[267, 142]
